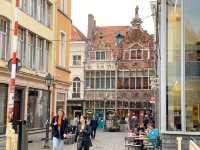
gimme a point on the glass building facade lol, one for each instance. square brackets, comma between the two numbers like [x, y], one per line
[180, 66]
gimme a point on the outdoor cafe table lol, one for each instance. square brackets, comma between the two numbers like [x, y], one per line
[135, 139]
[141, 141]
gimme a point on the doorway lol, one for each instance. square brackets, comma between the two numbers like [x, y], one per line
[18, 104]
[77, 113]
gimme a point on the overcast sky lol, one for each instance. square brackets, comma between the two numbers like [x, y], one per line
[111, 12]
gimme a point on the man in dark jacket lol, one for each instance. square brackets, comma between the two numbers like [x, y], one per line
[59, 130]
[133, 122]
[94, 125]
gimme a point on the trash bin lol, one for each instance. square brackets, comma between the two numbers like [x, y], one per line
[22, 136]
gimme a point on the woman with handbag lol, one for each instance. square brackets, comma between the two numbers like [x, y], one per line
[59, 130]
[83, 130]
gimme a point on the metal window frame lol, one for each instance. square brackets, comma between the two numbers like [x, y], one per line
[163, 43]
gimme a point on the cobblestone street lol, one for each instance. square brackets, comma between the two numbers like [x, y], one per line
[103, 141]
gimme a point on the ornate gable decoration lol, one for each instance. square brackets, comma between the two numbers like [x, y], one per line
[136, 46]
[102, 45]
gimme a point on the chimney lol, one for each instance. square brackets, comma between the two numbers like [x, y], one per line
[91, 26]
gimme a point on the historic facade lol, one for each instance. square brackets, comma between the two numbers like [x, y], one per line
[119, 67]
[77, 66]
[43, 47]
[34, 49]
[61, 55]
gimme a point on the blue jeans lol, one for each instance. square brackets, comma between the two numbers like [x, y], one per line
[58, 144]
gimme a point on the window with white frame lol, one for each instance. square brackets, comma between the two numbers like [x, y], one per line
[137, 54]
[62, 49]
[40, 48]
[100, 79]
[21, 52]
[135, 79]
[31, 51]
[40, 10]
[47, 56]
[63, 6]
[76, 60]
[76, 88]
[60, 102]
[100, 56]
[4, 36]
[48, 14]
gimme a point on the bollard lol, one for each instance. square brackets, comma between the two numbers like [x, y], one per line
[179, 140]
[22, 136]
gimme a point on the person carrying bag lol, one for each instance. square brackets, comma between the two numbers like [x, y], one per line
[84, 142]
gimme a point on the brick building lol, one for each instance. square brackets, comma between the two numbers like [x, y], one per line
[118, 69]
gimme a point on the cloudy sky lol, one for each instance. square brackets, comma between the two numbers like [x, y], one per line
[111, 12]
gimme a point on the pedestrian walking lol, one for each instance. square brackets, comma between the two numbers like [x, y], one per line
[74, 123]
[88, 122]
[133, 122]
[59, 130]
[94, 125]
[84, 142]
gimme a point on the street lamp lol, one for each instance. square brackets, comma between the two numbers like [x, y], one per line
[48, 80]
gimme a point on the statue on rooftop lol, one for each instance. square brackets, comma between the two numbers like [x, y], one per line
[136, 12]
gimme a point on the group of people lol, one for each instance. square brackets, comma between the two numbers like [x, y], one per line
[84, 128]
[146, 127]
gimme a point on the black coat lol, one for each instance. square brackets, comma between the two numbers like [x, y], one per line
[84, 140]
[63, 130]
[94, 124]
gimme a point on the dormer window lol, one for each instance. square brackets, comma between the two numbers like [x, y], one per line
[118, 39]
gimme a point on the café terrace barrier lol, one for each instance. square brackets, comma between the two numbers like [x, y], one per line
[193, 144]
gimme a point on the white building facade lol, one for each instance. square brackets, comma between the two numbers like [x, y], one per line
[77, 65]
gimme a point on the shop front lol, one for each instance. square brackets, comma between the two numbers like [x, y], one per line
[180, 73]
[74, 108]
[18, 105]
[37, 108]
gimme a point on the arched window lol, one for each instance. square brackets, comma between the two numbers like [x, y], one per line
[76, 87]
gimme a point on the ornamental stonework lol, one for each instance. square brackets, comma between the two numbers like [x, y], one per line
[100, 95]
[135, 65]
[134, 95]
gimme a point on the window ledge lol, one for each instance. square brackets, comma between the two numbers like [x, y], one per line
[76, 66]
[63, 69]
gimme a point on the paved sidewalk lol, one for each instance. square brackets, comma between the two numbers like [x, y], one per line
[103, 141]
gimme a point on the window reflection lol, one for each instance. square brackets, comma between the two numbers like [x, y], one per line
[173, 65]
[192, 64]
